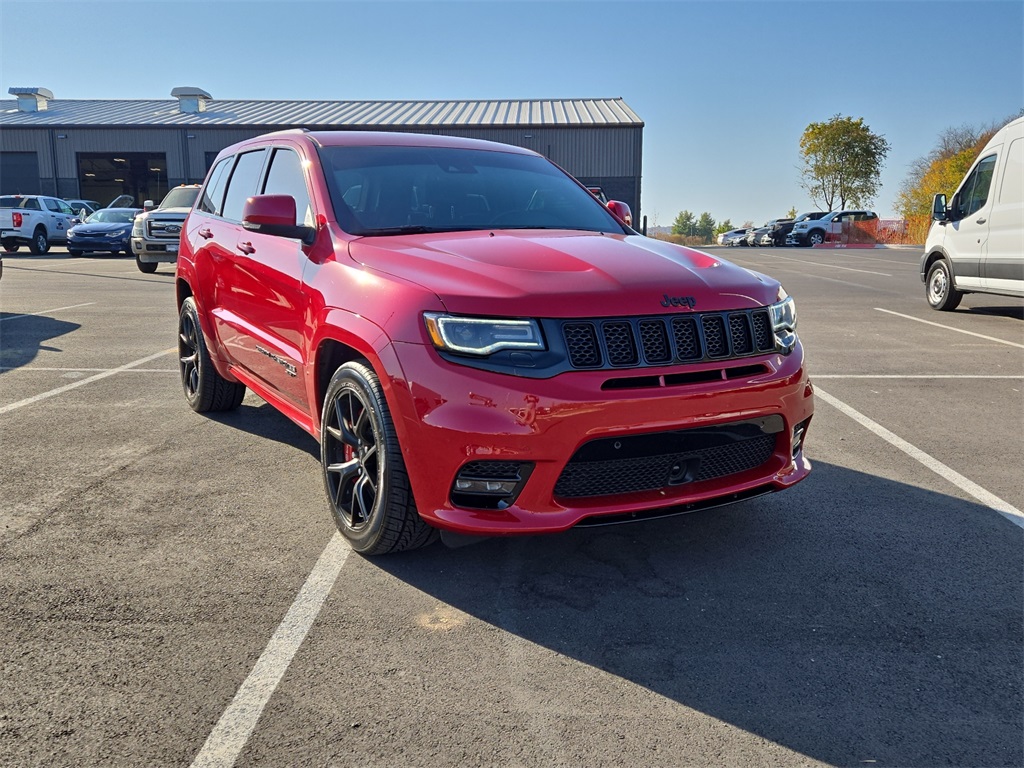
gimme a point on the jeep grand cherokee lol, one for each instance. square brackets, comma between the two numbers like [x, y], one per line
[478, 345]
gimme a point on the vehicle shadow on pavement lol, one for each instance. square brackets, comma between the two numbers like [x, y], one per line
[256, 417]
[23, 336]
[853, 619]
[1016, 313]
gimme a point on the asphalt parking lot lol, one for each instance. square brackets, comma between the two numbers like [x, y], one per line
[173, 592]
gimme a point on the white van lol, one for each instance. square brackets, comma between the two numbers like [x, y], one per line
[976, 243]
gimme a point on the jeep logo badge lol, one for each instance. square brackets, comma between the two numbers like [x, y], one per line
[678, 301]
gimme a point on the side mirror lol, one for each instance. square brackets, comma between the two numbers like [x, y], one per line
[275, 215]
[148, 206]
[939, 208]
[621, 211]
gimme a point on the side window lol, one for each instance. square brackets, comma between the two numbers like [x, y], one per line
[65, 208]
[213, 192]
[31, 204]
[51, 204]
[974, 193]
[286, 178]
[243, 183]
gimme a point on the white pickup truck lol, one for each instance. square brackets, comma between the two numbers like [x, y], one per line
[35, 221]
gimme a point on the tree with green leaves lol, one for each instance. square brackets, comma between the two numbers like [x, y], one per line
[725, 226]
[842, 162]
[791, 213]
[705, 227]
[684, 224]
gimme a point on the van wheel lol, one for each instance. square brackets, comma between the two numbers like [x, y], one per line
[939, 287]
[149, 267]
[39, 244]
[364, 475]
[205, 389]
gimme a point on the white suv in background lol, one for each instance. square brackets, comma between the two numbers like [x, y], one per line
[817, 231]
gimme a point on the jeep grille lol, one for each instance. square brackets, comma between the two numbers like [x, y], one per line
[633, 341]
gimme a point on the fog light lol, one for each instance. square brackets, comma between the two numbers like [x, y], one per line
[799, 432]
[489, 484]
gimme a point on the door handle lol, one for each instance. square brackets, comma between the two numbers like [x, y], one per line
[246, 248]
[982, 220]
[206, 233]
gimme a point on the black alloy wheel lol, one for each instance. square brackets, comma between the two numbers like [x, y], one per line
[364, 475]
[205, 389]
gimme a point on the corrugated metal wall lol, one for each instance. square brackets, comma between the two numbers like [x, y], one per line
[585, 152]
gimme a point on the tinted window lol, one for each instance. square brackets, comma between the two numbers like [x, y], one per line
[286, 178]
[974, 193]
[389, 190]
[243, 183]
[213, 192]
[52, 205]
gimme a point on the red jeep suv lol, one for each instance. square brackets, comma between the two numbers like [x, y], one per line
[477, 343]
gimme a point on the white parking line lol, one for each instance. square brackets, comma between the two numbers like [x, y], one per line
[34, 369]
[951, 328]
[81, 382]
[913, 376]
[831, 266]
[969, 487]
[46, 311]
[232, 731]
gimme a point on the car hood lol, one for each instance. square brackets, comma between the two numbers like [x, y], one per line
[547, 273]
[99, 228]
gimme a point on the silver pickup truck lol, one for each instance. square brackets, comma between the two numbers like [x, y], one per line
[34, 220]
[156, 231]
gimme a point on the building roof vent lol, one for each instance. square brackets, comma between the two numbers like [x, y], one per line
[31, 99]
[191, 100]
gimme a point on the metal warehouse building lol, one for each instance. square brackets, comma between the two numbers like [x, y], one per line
[98, 149]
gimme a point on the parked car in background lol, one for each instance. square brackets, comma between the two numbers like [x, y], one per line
[732, 233]
[762, 236]
[477, 343]
[974, 243]
[156, 231]
[810, 232]
[35, 221]
[89, 206]
[108, 230]
[738, 237]
[785, 226]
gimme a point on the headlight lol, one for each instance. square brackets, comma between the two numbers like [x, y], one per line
[784, 322]
[481, 336]
[784, 315]
[137, 228]
[119, 232]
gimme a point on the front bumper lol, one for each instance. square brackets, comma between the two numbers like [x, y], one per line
[99, 243]
[448, 416]
[150, 251]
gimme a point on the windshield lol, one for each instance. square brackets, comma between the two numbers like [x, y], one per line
[180, 197]
[111, 216]
[406, 190]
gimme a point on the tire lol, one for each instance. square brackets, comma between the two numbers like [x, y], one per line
[74, 252]
[205, 389]
[939, 288]
[39, 244]
[364, 475]
[815, 238]
[10, 246]
[149, 267]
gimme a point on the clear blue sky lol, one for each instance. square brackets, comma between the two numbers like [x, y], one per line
[725, 88]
